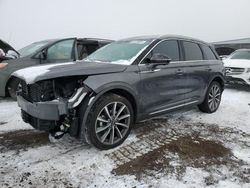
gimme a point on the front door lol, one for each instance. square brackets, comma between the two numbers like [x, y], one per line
[62, 51]
[162, 88]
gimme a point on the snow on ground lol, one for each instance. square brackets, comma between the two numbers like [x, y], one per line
[10, 118]
[185, 149]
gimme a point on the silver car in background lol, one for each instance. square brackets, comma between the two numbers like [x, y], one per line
[238, 67]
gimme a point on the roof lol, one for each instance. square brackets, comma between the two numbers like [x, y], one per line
[96, 39]
[87, 39]
[154, 37]
[236, 41]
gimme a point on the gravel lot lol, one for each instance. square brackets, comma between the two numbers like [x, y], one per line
[185, 149]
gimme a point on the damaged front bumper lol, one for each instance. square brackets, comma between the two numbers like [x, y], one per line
[48, 115]
[51, 110]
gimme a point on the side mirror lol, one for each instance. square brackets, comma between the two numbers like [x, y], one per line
[42, 55]
[158, 59]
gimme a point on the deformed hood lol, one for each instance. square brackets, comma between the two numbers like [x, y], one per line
[6, 47]
[44, 72]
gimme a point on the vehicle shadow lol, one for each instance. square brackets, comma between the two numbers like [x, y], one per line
[6, 99]
[238, 87]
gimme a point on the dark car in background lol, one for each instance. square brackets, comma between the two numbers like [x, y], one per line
[44, 52]
[127, 81]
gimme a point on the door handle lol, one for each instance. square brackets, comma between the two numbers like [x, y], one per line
[208, 69]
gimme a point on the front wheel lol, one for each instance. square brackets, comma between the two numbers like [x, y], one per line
[109, 121]
[213, 98]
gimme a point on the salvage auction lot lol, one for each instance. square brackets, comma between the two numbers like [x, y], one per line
[182, 149]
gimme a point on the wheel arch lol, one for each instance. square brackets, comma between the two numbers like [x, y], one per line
[11, 78]
[122, 90]
[119, 90]
[219, 79]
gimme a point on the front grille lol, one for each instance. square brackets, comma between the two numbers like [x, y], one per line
[234, 70]
[37, 92]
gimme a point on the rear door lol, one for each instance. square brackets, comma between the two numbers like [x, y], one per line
[196, 69]
[162, 88]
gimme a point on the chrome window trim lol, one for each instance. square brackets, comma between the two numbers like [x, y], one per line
[140, 63]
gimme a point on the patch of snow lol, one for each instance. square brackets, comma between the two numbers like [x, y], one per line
[243, 154]
[233, 112]
[10, 116]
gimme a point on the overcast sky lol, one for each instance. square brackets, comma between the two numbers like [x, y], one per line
[26, 21]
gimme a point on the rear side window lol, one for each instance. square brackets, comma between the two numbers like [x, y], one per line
[169, 48]
[192, 51]
[208, 53]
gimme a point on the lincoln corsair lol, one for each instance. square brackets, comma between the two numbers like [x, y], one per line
[99, 99]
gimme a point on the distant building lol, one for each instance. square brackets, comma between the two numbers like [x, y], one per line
[227, 47]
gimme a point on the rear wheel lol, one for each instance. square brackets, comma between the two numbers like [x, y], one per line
[109, 121]
[12, 88]
[213, 98]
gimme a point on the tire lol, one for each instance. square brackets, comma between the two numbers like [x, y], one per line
[105, 127]
[212, 99]
[12, 88]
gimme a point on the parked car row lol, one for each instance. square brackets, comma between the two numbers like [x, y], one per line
[100, 98]
[39, 53]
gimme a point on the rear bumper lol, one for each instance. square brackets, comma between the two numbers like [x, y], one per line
[51, 110]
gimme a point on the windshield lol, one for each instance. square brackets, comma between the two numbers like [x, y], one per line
[122, 52]
[28, 50]
[240, 55]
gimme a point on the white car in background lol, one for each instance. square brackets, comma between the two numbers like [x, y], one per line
[238, 67]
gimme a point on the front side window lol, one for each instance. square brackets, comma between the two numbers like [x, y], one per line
[240, 55]
[122, 52]
[61, 50]
[208, 53]
[192, 51]
[169, 48]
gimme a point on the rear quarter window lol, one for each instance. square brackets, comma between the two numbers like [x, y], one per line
[192, 51]
[208, 53]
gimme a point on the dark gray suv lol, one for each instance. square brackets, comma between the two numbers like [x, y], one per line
[99, 99]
